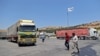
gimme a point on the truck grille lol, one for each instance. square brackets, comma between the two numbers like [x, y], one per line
[28, 36]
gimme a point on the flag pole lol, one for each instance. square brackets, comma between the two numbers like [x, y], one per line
[67, 19]
[70, 9]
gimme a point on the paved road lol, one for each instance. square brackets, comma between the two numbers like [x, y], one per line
[51, 47]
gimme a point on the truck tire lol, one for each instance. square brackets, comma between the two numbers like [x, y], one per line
[57, 37]
[19, 44]
[34, 44]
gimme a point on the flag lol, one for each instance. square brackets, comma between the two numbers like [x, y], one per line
[70, 9]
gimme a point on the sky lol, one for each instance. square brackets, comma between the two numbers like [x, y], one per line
[49, 12]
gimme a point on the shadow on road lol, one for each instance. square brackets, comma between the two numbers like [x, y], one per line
[86, 51]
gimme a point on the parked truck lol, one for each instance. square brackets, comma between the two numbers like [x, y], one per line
[22, 32]
[3, 34]
[82, 33]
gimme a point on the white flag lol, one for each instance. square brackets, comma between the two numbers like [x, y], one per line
[70, 9]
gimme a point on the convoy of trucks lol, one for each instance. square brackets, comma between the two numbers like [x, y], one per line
[22, 32]
[82, 33]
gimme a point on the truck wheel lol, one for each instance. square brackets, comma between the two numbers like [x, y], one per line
[34, 44]
[19, 44]
[57, 37]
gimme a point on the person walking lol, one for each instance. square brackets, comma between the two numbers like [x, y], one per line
[75, 41]
[42, 36]
[67, 39]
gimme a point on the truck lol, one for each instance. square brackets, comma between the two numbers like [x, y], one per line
[82, 33]
[22, 32]
[3, 34]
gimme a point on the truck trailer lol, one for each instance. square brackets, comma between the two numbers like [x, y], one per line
[22, 32]
[82, 33]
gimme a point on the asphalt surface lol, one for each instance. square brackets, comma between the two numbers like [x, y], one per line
[51, 47]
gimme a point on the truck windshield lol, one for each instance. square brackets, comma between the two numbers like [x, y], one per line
[27, 28]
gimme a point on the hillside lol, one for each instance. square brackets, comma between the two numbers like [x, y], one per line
[95, 24]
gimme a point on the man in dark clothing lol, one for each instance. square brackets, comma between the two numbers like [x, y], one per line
[67, 38]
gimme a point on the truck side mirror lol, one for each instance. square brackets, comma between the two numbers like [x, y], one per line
[17, 29]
